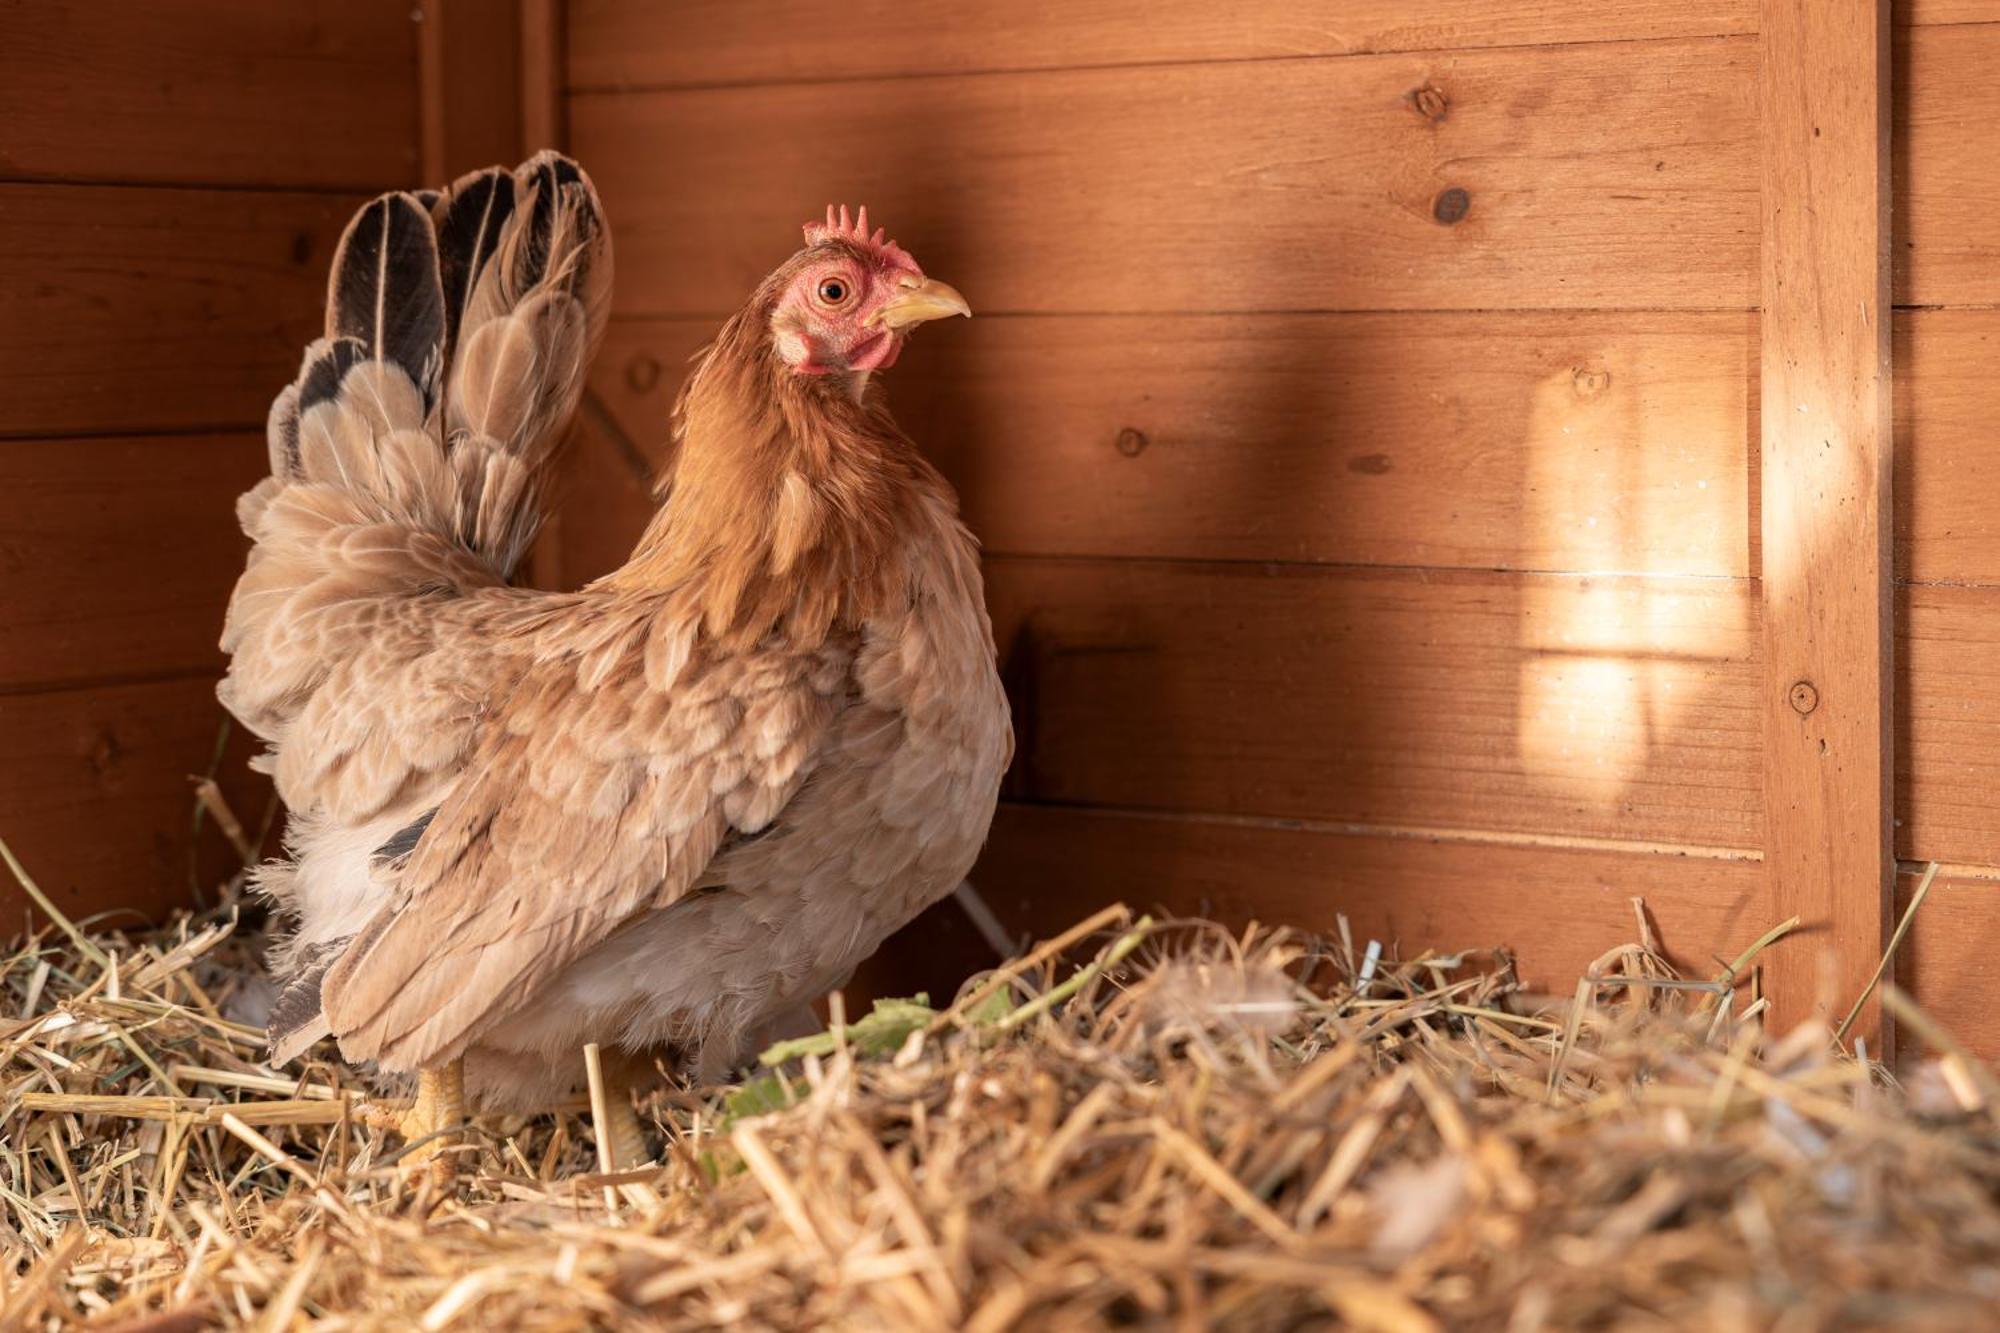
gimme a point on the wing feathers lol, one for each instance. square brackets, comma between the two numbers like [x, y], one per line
[614, 802]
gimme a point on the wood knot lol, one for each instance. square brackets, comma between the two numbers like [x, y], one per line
[1429, 102]
[1131, 442]
[302, 248]
[1590, 382]
[1371, 465]
[104, 752]
[1451, 205]
[1804, 697]
[642, 373]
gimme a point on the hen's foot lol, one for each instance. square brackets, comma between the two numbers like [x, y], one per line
[431, 1122]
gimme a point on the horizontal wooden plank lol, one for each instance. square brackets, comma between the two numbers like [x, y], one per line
[1523, 441]
[1608, 707]
[96, 797]
[1947, 471]
[1558, 909]
[1614, 175]
[1478, 440]
[1948, 724]
[306, 93]
[1947, 221]
[634, 44]
[118, 554]
[1947, 11]
[155, 309]
[1949, 963]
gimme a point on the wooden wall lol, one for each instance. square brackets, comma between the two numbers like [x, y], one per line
[1361, 417]
[1947, 553]
[172, 181]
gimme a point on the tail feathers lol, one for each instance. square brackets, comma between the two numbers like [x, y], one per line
[471, 219]
[377, 371]
[459, 325]
[526, 263]
[407, 456]
[384, 294]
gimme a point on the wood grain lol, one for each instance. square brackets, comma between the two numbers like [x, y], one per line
[1950, 961]
[1947, 224]
[1950, 637]
[1948, 724]
[1607, 707]
[1468, 411]
[634, 44]
[117, 555]
[1826, 495]
[1947, 11]
[474, 88]
[96, 797]
[492, 94]
[1947, 470]
[1494, 440]
[1619, 175]
[1557, 909]
[309, 93]
[156, 309]
[544, 85]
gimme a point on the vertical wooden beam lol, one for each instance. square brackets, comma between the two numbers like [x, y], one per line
[1826, 510]
[543, 126]
[493, 94]
[543, 84]
[469, 64]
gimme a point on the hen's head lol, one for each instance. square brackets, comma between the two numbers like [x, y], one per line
[849, 299]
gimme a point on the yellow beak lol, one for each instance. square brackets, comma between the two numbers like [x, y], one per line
[929, 299]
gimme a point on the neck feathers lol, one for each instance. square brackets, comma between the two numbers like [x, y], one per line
[791, 503]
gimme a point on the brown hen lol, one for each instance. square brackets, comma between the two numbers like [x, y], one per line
[660, 813]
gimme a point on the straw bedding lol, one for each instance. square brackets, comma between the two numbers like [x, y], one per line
[1142, 1124]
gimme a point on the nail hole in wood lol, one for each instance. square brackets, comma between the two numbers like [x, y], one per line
[642, 372]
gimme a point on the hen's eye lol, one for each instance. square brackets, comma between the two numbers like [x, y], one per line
[833, 290]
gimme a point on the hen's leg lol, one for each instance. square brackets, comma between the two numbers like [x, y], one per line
[440, 1106]
[621, 1131]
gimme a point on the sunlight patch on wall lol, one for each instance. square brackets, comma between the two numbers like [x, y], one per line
[1620, 483]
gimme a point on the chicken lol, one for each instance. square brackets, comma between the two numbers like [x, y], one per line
[661, 813]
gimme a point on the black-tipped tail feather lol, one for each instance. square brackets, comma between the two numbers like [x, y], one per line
[384, 293]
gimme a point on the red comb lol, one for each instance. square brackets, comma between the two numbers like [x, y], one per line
[855, 232]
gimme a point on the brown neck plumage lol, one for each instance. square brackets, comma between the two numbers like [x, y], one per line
[790, 504]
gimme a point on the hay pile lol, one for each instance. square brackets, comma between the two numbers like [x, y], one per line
[1164, 1126]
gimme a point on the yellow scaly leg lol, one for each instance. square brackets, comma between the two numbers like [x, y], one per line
[440, 1106]
[623, 1135]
